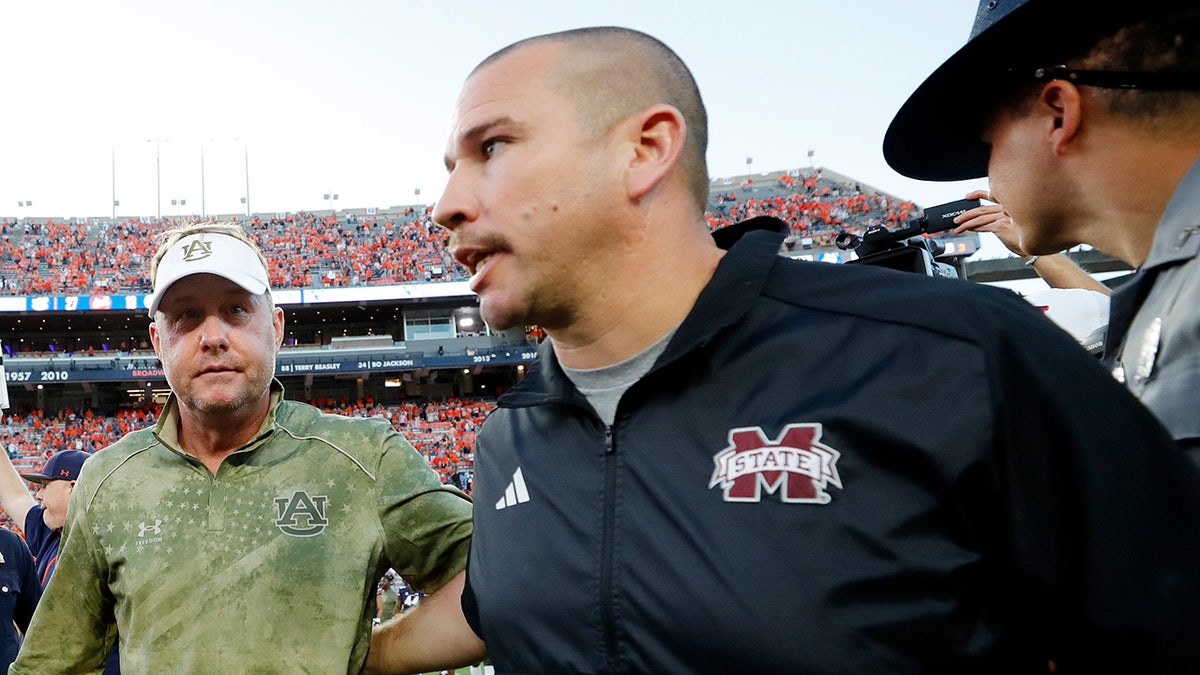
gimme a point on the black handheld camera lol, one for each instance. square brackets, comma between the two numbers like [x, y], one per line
[902, 249]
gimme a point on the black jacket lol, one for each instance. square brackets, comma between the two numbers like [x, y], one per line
[837, 469]
[19, 593]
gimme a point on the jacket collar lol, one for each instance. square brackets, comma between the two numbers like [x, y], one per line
[753, 246]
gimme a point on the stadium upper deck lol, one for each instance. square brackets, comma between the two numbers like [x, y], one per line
[368, 247]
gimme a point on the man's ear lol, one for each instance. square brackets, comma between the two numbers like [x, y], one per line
[277, 323]
[659, 133]
[154, 336]
[1062, 103]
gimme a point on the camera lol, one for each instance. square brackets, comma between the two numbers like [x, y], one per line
[901, 248]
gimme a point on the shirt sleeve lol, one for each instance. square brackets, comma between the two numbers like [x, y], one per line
[73, 629]
[427, 525]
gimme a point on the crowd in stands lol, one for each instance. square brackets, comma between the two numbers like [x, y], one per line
[815, 208]
[305, 250]
[443, 431]
[103, 257]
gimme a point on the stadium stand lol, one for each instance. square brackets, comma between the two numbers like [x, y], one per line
[392, 246]
[42, 257]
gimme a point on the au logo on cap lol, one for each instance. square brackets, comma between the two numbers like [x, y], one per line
[197, 250]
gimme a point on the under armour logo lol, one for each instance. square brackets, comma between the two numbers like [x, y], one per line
[155, 529]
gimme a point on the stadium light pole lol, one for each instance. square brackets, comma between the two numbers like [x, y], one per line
[203, 211]
[246, 162]
[749, 163]
[114, 182]
[810, 159]
[331, 197]
[157, 179]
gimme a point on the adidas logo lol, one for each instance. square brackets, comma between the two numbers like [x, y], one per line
[515, 493]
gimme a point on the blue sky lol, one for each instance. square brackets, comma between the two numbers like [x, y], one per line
[355, 97]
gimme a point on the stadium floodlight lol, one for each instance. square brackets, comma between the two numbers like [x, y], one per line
[246, 160]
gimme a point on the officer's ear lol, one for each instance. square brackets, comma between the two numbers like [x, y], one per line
[1061, 103]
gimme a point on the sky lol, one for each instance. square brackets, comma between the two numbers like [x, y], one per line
[290, 101]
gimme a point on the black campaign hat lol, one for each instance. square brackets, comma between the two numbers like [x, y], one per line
[936, 133]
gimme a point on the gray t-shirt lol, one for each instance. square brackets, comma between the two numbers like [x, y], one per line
[604, 386]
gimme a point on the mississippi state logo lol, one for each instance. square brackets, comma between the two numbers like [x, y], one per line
[301, 515]
[796, 466]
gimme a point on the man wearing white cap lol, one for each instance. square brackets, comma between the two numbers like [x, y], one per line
[192, 536]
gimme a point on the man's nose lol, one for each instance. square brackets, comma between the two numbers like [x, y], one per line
[457, 204]
[214, 333]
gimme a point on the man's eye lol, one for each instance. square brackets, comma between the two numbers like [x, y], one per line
[492, 146]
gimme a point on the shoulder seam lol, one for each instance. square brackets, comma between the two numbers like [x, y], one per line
[118, 465]
[331, 444]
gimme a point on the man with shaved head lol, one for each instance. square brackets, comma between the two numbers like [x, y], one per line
[604, 61]
[728, 461]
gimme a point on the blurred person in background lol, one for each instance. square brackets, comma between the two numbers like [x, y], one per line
[41, 515]
[19, 593]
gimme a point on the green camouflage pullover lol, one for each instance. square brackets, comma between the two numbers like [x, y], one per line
[268, 567]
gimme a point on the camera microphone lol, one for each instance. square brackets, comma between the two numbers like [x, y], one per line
[941, 217]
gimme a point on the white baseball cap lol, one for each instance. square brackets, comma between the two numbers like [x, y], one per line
[209, 253]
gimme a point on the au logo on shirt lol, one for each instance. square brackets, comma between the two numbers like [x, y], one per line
[301, 515]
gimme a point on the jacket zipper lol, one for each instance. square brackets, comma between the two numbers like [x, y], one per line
[607, 602]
